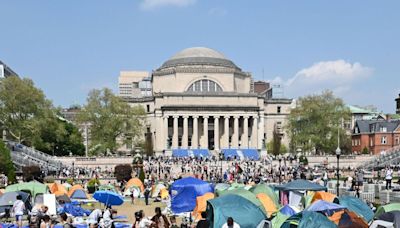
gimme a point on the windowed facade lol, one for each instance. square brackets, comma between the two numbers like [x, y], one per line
[383, 140]
[205, 86]
[278, 109]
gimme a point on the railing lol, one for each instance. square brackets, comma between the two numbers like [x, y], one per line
[390, 157]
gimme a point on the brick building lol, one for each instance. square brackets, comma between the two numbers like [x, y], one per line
[375, 135]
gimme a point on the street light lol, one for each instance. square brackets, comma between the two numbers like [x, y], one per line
[280, 172]
[338, 152]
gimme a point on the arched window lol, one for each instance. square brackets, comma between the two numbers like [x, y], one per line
[204, 86]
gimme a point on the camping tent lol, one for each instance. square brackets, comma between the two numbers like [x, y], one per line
[247, 195]
[156, 190]
[325, 207]
[308, 219]
[268, 204]
[263, 188]
[387, 208]
[184, 192]
[135, 182]
[346, 218]
[300, 185]
[67, 186]
[58, 189]
[326, 196]
[77, 192]
[243, 211]
[201, 204]
[33, 188]
[7, 200]
[132, 190]
[358, 206]
[392, 216]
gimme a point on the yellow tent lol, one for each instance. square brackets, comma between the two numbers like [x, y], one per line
[135, 182]
[268, 203]
[73, 188]
[58, 189]
[329, 197]
[201, 204]
[164, 193]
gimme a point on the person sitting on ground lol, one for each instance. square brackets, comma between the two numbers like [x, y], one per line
[107, 220]
[142, 221]
[161, 219]
[94, 217]
[46, 223]
[18, 210]
[230, 223]
[65, 221]
[203, 223]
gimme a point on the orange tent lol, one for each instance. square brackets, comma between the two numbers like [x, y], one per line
[58, 189]
[73, 188]
[201, 204]
[268, 203]
[329, 197]
[135, 182]
[346, 218]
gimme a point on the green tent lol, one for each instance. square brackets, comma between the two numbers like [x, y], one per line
[279, 219]
[33, 188]
[263, 188]
[387, 208]
[308, 219]
[245, 194]
[243, 211]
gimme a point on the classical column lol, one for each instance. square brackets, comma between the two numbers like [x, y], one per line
[205, 145]
[226, 131]
[216, 132]
[245, 135]
[235, 136]
[185, 133]
[261, 132]
[254, 132]
[175, 133]
[195, 135]
[165, 141]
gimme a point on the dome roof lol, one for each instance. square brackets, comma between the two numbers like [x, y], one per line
[198, 56]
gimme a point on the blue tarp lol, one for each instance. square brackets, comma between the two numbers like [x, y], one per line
[325, 207]
[180, 153]
[200, 153]
[230, 153]
[251, 154]
[74, 210]
[287, 210]
[184, 192]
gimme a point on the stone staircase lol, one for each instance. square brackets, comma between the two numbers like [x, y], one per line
[390, 157]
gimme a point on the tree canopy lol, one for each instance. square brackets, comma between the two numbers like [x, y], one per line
[6, 165]
[314, 124]
[112, 121]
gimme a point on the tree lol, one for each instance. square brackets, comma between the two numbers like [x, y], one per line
[6, 164]
[32, 172]
[148, 144]
[22, 105]
[123, 172]
[314, 123]
[112, 121]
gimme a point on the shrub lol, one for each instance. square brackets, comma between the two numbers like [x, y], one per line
[303, 160]
[142, 175]
[123, 172]
[93, 182]
[70, 181]
[49, 180]
[32, 172]
[365, 150]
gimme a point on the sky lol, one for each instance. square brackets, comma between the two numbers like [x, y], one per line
[70, 47]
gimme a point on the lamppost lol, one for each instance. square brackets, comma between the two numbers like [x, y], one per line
[338, 152]
[73, 171]
[280, 172]
[221, 158]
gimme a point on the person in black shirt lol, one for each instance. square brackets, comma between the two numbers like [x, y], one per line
[203, 223]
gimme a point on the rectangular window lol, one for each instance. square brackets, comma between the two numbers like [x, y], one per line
[383, 129]
[371, 142]
[397, 140]
[278, 109]
[383, 140]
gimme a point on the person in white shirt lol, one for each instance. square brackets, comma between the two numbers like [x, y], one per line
[95, 216]
[18, 210]
[142, 221]
[230, 223]
[388, 178]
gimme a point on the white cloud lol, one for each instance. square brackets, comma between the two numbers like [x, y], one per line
[339, 76]
[153, 4]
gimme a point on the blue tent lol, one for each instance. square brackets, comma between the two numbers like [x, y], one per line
[184, 192]
[230, 153]
[357, 206]
[79, 194]
[201, 153]
[74, 210]
[243, 211]
[325, 207]
[287, 210]
[251, 154]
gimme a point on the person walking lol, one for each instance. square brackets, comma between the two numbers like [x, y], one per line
[18, 210]
[389, 177]
[146, 195]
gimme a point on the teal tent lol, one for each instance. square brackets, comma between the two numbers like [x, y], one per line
[357, 206]
[300, 185]
[279, 219]
[245, 194]
[243, 211]
[308, 219]
[34, 188]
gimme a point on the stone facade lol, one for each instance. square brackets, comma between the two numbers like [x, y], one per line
[203, 100]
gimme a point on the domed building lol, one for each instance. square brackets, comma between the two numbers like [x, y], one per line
[200, 99]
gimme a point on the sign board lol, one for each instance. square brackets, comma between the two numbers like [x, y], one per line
[50, 201]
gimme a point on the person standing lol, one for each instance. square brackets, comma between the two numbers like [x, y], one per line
[325, 178]
[160, 219]
[230, 223]
[203, 223]
[146, 195]
[18, 210]
[389, 177]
